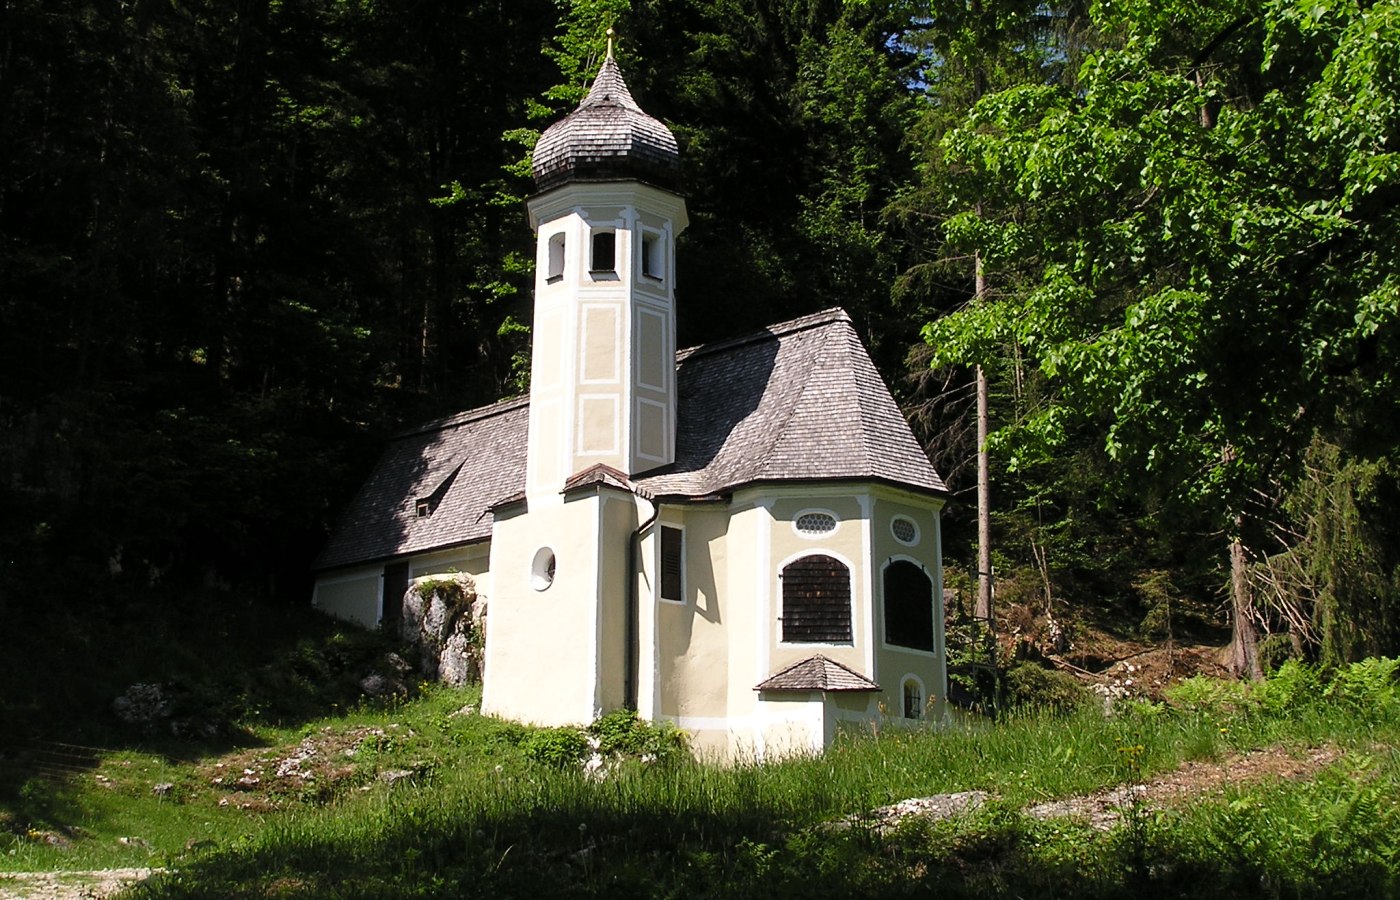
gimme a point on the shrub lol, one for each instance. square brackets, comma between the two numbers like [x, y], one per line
[1030, 685]
[1293, 685]
[1368, 685]
[1201, 692]
[560, 747]
[622, 732]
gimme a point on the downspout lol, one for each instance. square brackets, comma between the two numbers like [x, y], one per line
[634, 577]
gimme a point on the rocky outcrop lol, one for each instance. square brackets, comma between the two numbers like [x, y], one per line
[445, 618]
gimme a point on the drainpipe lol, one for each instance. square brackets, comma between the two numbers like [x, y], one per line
[634, 548]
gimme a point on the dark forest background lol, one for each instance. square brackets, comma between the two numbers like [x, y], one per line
[243, 241]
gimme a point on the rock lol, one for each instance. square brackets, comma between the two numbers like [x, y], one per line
[458, 663]
[142, 704]
[389, 776]
[133, 842]
[376, 685]
[163, 789]
[398, 664]
[291, 766]
[52, 838]
[468, 710]
[199, 729]
[939, 806]
[444, 617]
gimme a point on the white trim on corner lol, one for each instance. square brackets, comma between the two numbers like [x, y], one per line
[712, 723]
[815, 535]
[934, 599]
[596, 608]
[850, 573]
[764, 594]
[939, 616]
[867, 543]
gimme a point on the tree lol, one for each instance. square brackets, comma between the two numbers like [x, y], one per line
[1210, 211]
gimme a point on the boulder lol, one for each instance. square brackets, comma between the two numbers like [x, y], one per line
[142, 704]
[445, 618]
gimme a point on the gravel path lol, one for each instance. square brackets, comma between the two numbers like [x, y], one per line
[69, 885]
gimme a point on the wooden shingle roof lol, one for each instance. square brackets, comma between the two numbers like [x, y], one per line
[817, 673]
[473, 459]
[607, 138]
[799, 401]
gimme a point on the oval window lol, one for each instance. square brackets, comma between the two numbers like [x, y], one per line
[814, 524]
[542, 569]
[904, 530]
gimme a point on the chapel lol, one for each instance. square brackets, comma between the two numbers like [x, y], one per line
[742, 538]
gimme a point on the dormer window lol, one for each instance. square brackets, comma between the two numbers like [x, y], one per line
[555, 273]
[604, 259]
[424, 508]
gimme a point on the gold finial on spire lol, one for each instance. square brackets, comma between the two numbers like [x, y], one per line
[610, 40]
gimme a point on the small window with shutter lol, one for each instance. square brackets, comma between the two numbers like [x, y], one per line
[672, 564]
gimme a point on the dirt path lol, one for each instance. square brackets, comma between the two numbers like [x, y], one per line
[69, 885]
[1103, 809]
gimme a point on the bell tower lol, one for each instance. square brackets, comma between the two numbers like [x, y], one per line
[602, 404]
[606, 218]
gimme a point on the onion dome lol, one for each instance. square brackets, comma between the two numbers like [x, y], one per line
[608, 138]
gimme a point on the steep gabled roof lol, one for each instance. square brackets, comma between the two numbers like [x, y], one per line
[817, 673]
[799, 402]
[470, 461]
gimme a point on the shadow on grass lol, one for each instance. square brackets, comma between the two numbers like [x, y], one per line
[224, 663]
[594, 843]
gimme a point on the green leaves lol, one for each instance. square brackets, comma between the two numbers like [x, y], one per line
[1210, 262]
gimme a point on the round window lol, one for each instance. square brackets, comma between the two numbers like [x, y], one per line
[814, 524]
[904, 530]
[542, 569]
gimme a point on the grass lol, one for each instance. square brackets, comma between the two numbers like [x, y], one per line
[757, 830]
[421, 798]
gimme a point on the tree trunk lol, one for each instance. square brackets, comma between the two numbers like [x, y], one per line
[1244, 642]
[984, 491]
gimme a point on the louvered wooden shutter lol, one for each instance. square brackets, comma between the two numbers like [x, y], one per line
[817, 601]
[672, 547]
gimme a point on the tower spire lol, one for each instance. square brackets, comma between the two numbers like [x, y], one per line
[610, 41]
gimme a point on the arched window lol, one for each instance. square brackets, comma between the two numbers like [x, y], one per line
[816, 601]
[908, 606]
[913, 699]
[604, 252]
[555, 273]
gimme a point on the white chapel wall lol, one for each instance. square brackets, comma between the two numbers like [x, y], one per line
[351, 594]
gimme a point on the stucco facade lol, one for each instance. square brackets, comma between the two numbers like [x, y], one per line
[741, 538]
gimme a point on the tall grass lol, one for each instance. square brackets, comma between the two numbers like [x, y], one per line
[765, 830]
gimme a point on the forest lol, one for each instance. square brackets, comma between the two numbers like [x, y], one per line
[243, 241]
